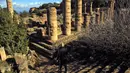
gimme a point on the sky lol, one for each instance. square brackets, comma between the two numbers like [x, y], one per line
[21, 5]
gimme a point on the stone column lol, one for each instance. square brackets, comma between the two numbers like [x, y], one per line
[78, 15]
[91, 8]
[93, 18]
[52, 21]
[108, 13]
[87, 20]
[10, 7]
[84, 6]
[112, 4]
[67, 17]
[98, 15]
[102, 17]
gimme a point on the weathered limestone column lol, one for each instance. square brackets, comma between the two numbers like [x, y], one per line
[87, 20]
[93, 18]
[112, 8]
[2, 54]
[78, 15]
[108, 13]
[91, 8]
[98, 15]
[102, 17]
[84, 6]
[10, 7]
[67, 17]
[52, 21]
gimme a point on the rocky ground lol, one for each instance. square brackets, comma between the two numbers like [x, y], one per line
[83, 67]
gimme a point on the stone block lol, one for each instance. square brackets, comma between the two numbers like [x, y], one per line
[3, 54]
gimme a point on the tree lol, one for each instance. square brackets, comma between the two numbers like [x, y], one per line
[24, 14]
[13, 37]
[99, 3]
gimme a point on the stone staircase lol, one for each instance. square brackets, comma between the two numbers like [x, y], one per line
[47, 48]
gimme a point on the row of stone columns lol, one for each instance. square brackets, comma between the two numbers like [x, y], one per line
[52, 18]
[100, 16]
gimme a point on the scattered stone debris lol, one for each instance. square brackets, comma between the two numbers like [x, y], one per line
[4, 67]
[2, 54]
[21, 61]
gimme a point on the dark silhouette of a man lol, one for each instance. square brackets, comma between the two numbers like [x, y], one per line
[60, 56]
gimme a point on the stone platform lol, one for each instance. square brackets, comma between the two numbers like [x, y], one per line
[46, 47]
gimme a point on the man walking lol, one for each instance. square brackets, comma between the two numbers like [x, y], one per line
[60, 56]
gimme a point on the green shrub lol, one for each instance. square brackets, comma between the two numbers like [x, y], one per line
[12, 36]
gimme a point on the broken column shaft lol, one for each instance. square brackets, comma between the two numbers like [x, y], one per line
[78, 15]
[67, 17]
[2, 54]
[10, 7]
[52, 22]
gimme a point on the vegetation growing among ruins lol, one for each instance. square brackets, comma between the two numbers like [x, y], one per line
[98, 47]
[12, 36]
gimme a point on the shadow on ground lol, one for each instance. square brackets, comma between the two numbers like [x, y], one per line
[87, 58]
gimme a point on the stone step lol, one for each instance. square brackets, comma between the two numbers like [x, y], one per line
[49, 47]
[41, 50]
[42, 43]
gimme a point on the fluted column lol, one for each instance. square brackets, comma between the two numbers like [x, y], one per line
[98, 15]
[52, 21]
[112, 4]
[67, 17]
[87, 20]
[78, 15]
[10, 7]
[102, 17]
[91, 8]
[108, 13]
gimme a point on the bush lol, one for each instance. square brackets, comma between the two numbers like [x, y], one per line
[13, 37]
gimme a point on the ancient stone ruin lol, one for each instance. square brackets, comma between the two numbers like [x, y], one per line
[98, 15]
[75, 24]
[2, 54]
[78, 15]
[67, 17]
[81, 19]
[112, 4]
[52, 22]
